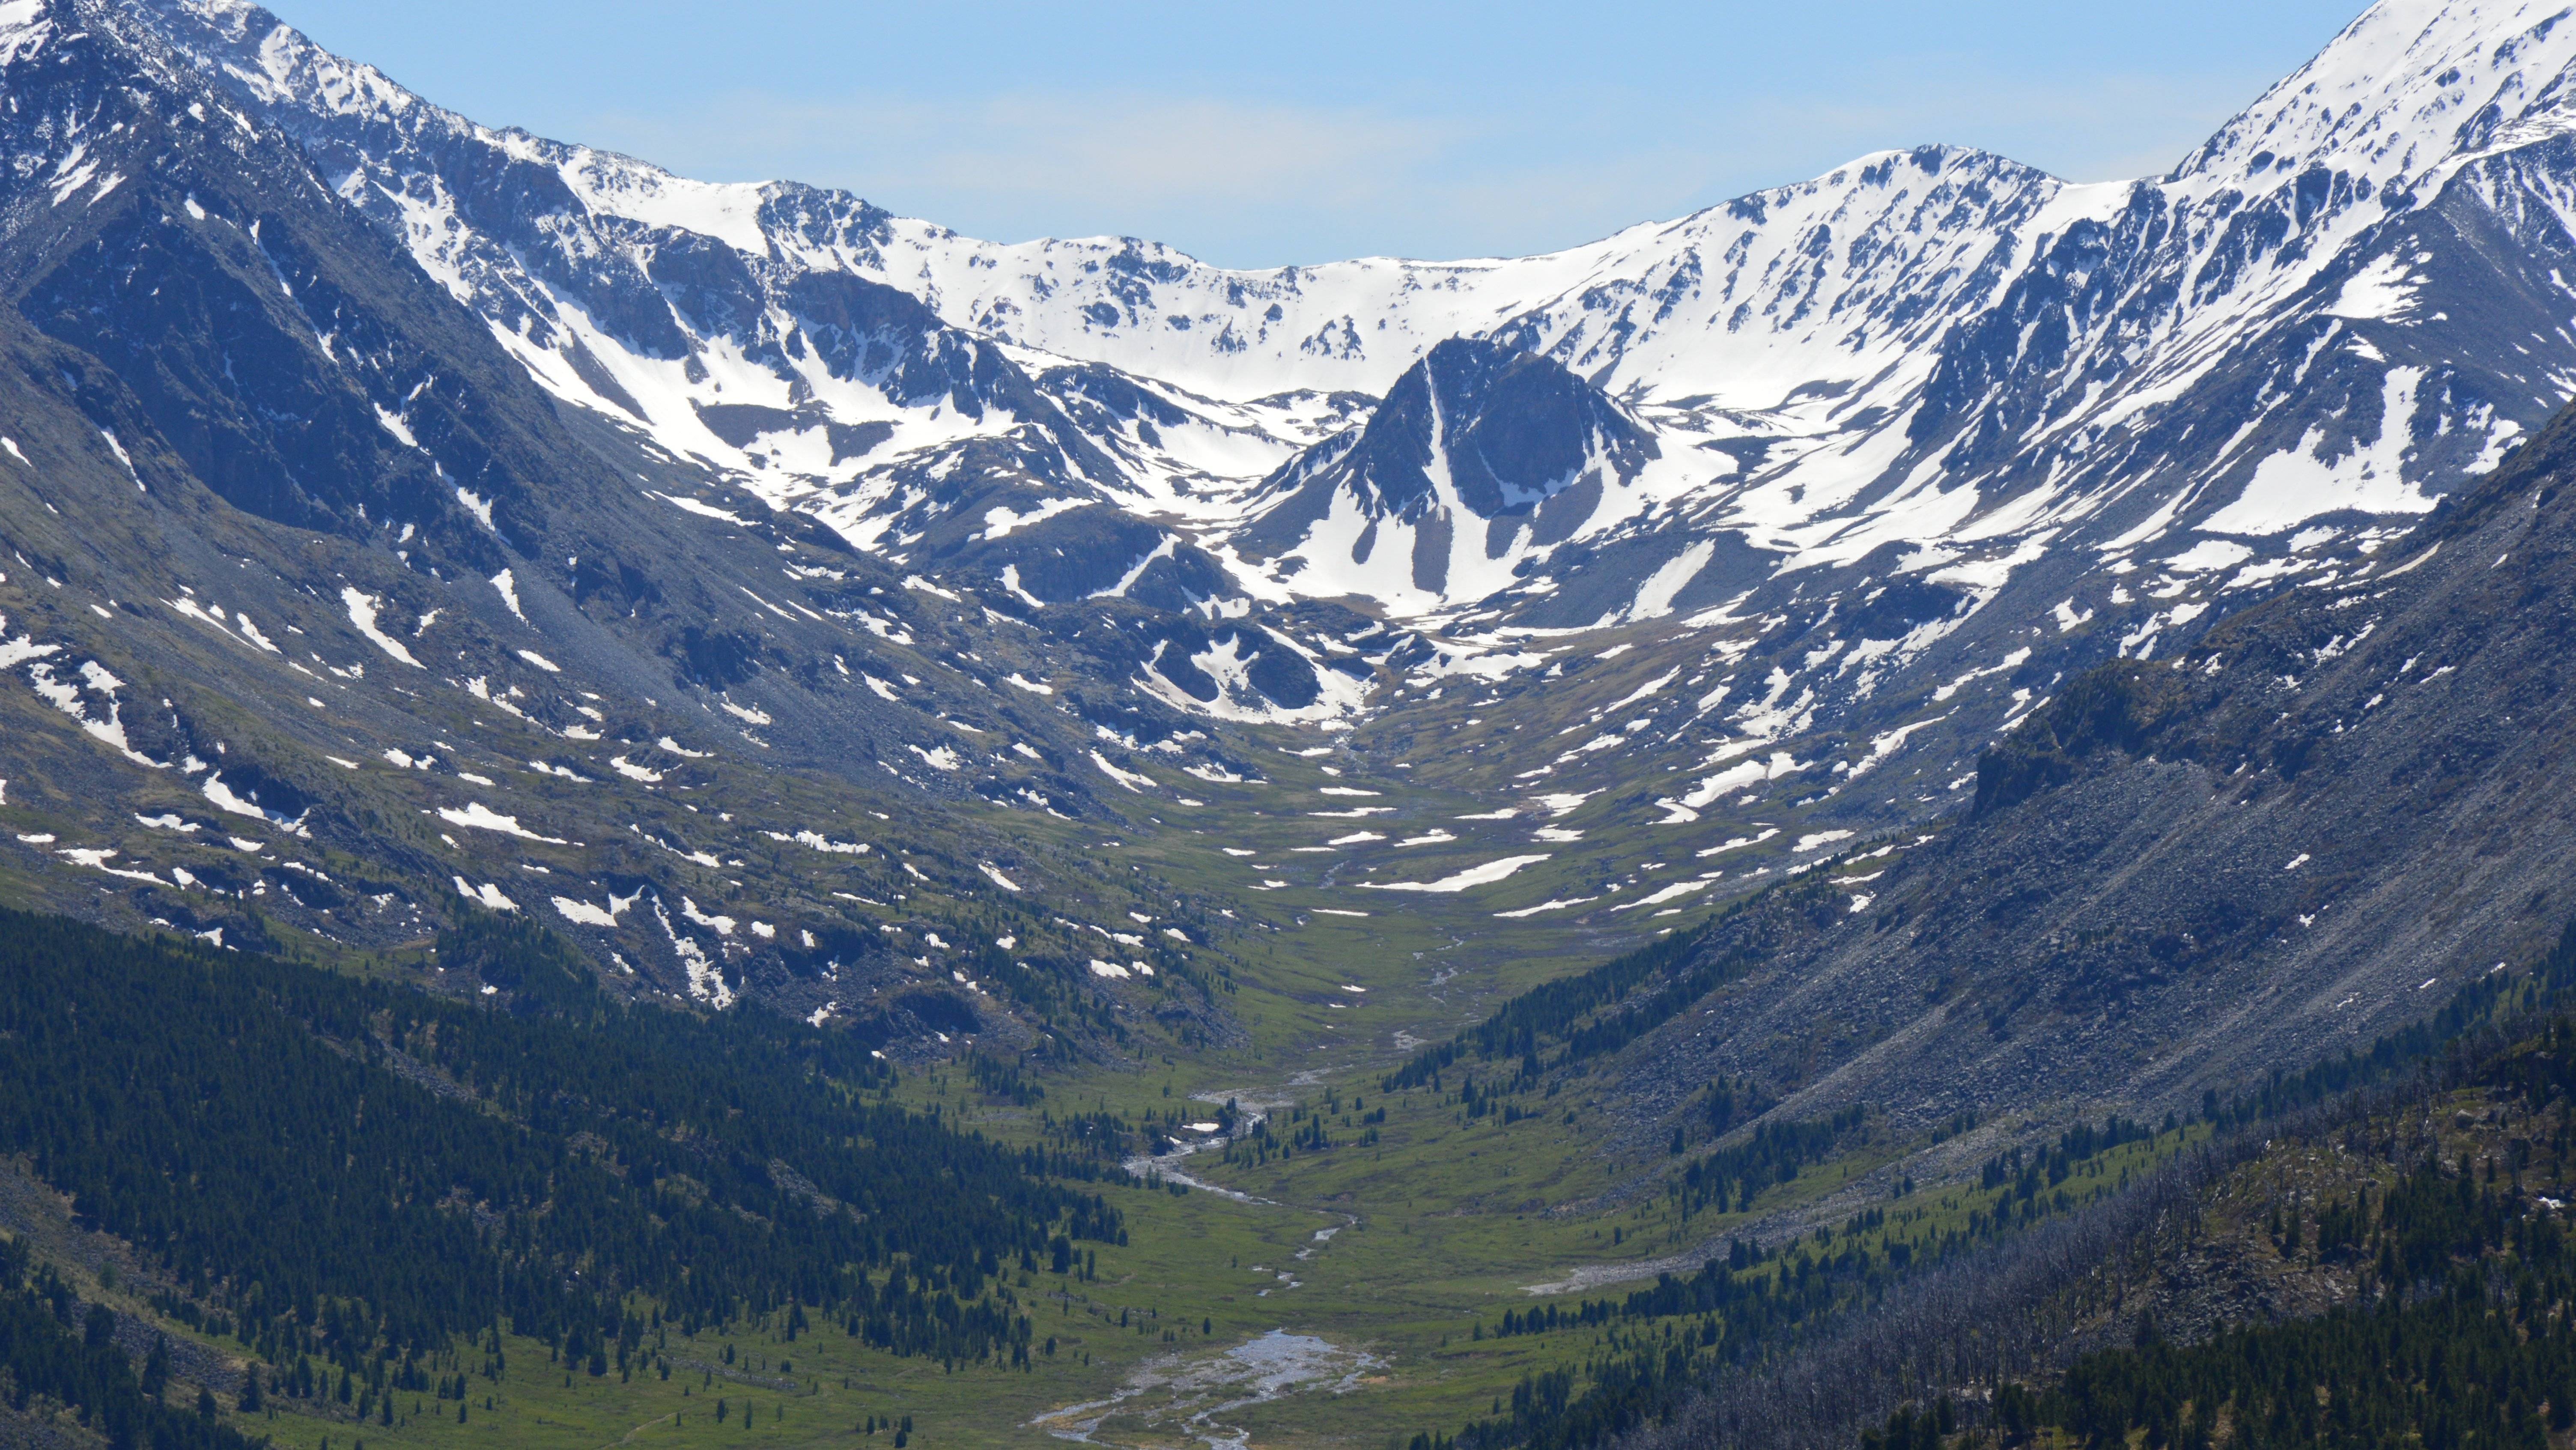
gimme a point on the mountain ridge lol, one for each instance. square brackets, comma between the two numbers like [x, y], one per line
[2009, 428]
[1827, 693]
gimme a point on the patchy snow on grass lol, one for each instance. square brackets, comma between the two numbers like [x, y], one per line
[994, 873]
[2011, 662]
[820, 842]
[541, 662]
[1546, 906]
[487, 895]
[1127, 778]
[1883, 746]
[97, 860]
[721, 925]
[66, 696]
[15, 652]
[225, 798]
[1821, 839]
[1710, 789]
[480, 817]
[1674, 892]
[363, 609]
[702, 510]
[582, 913]
[1651, 687]
[1485, 875]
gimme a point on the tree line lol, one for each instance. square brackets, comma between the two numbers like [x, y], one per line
[1760, 1352]
[347, 1168]
[56, 1353]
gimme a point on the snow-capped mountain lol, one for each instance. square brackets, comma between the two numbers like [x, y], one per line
[1933, 348]
[1727, 515]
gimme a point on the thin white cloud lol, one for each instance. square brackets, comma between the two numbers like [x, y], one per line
[1260, 134]
[1255, 183]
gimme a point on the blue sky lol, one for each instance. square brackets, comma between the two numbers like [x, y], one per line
[1255, 135]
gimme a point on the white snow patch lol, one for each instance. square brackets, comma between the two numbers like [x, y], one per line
[487, 895]
[582, 913]
[1485, 875]
[2292, 487]
[1546, 906]
[1655, 596]
[225, 798]
[722, 925]
[1674, 892]
[1127, 778]
[480, 817]
[363, 609]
